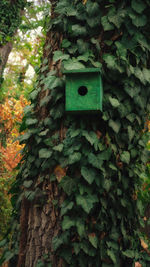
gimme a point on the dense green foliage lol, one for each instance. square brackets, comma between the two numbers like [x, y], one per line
[10, 18]
[104, 155]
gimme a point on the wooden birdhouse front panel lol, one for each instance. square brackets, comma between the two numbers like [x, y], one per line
[83, 90]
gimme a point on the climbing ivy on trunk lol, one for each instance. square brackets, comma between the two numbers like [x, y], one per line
[97, 162]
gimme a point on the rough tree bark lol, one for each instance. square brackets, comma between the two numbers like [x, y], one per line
[4, 54]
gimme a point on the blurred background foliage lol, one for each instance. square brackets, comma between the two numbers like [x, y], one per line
[18, 80]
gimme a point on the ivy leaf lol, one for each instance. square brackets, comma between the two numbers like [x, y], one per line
[88, 174]
[86, 202]
[58, 147]
[140, 207]
[58, 55]
[79, 30]
[107, 184]
[56, 242]
[92, 8]
[43, 133]
[80, 227]
[66, 43]
[68, 184]
[45, 153]
[93, 240]
[129, 253]
[27, 184]
[24, 137]
[75, 157]
[73, 65]
[115, 125]
[138, 6]
[90, 136]
[44, 101]
[67, 223]
[114, 102]
[112, 255]
[125, 157]
[131, 133]
[95, 161]
[106, 25]
[31, 121]
[66, 206]
[110, 60]
[138, 20]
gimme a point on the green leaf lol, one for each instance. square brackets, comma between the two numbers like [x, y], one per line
[106, 25]
[67, 223]
[94, 161]
[116, 17]
[80, 227]
[138, 6]
[56, 242]
[107, 184]
[43, 133]
[131, 133]
[44, 101]
[112, 255]
[45, 153]
[138, 20]
[30, 195]
[66, 206]
[91, 137]
[88, 174]
[115, 125]
[31, 121]
[84, 57]
[75, 157]
[92, 8]
[79, 30]
[129, 253]
[113, 245]
[125, 157]
[58, 55]
[24, 137]
[73, 65]
[110, 60]
[27, 184]
[66, 43]
[52, 82]
[140, 207]
[86, 202]
[68, 184]
[93, 240]
[114, 102]
[76, 247]
[58, 147]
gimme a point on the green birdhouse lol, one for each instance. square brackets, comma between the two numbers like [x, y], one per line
[83, 90]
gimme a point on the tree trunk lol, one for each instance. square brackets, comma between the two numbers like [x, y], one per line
[4, 54]
[12, 25]
[81, 172]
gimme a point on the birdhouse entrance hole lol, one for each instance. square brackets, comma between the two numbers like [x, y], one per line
[82, 90]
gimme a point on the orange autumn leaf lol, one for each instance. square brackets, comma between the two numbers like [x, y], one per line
[11, 113]
[59, 172]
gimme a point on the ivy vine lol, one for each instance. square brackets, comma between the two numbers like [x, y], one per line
[102, 157]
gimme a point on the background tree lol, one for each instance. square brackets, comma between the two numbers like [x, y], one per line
[81, 173]
[10, 14]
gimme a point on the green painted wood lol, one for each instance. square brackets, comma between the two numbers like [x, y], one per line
[82, 70]
[84, 90]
